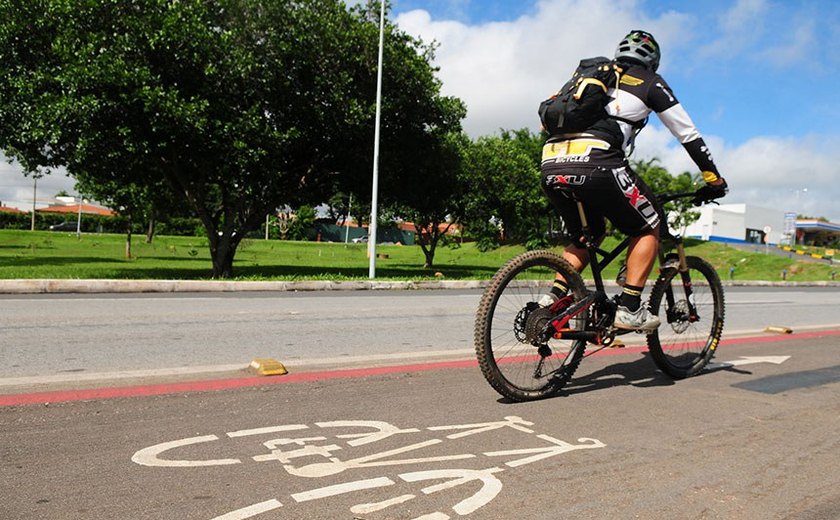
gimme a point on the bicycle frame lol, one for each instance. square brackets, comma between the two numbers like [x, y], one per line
[527, 350]
[599, 259]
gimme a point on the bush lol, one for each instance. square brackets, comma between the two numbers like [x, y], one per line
[302, 225]
[181, 226]
[15, 220]
[537, 243]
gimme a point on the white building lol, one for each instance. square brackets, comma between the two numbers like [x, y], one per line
[739, 223]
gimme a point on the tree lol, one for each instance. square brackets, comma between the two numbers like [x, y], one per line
[241, 106]
[302, 223]
[680, 212]
[129, 200]
[503, 181]
[432, 197]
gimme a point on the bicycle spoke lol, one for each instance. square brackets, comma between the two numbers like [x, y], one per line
[509, 321]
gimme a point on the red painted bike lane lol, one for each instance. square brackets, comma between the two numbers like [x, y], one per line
[225, 384]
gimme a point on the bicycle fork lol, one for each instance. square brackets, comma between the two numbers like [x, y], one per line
[682, 266]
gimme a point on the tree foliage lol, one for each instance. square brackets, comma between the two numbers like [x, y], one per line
[680, 213]
[432, 197]
[240, 106]
[504, 198]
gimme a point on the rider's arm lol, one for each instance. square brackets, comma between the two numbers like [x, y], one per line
[676, 119]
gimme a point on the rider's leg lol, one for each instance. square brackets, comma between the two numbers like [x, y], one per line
[633, 208]
[577, 256]
[641, 256]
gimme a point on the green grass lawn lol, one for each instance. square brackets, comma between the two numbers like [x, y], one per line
[43, 254]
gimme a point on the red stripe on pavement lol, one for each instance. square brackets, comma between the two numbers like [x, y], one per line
[225, 384]
[220, 384]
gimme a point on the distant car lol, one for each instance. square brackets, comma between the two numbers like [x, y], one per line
[360, 240]
[64, 226]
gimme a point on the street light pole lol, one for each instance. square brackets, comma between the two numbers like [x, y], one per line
[374, 200]
[79, 221]
[347, 220]
[34, 198]
[803, 190]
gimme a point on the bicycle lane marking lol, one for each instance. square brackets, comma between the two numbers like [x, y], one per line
[321, 442]
[227, 384]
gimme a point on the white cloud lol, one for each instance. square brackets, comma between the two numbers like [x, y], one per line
[737, 29]
[785, 173]
[16, 190]
[503, 70]
[794, 50]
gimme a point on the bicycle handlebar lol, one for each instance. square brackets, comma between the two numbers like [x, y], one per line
[668, 197]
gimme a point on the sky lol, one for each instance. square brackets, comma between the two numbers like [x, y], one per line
[758, 77]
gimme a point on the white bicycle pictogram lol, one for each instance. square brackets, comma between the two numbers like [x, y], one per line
[311, 452]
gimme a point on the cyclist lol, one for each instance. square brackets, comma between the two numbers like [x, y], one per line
[593, 165]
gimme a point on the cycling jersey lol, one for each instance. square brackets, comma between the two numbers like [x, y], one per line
[641, 91]
[593, 165]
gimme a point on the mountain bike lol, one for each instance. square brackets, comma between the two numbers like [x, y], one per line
[527, 351]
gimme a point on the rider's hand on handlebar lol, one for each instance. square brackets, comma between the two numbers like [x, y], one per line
[711, 191]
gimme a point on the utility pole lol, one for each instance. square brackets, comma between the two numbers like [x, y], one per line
[375, 195]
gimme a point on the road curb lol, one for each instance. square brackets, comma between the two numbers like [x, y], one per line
[52, 286]
[55, 286]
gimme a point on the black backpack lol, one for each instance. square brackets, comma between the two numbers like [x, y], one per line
[581, 101]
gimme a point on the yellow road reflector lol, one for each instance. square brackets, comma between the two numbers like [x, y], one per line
[268, 367]
[617, 343]
[780, 330]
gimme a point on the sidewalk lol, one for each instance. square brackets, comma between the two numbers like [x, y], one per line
[40, 286]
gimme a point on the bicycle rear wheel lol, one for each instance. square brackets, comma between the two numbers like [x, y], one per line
[686, 341]
[512, 360]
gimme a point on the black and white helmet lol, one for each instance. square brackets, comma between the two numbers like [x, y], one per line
[639, 46]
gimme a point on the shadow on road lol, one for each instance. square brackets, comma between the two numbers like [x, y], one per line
[639, 373]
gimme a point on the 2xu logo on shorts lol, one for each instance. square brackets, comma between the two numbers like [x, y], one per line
[634, 196]
[566, 180]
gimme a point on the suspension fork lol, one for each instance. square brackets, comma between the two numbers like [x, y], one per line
[682, 267]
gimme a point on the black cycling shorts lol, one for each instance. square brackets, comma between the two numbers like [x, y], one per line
[615, 193]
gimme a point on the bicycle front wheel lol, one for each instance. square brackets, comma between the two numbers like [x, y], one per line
[512, 359]
[690, 306]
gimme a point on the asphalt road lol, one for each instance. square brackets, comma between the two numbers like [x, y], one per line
[755, 436]
[54, 338]
[755, 440]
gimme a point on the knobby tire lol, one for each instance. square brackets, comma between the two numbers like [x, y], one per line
[682, 346]
[514, 366]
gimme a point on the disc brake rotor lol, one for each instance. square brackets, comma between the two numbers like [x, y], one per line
[680, 322]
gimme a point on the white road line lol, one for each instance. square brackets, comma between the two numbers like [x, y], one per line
[267, 429]
[378, 506]
[340, 489]
[150, 456]
[379, 357]
[253, 510]
[139, 300]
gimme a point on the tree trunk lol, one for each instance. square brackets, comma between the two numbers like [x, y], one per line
[428, 241]
[128, 240]
[222, 251]
[150, 231]
[430, 256]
